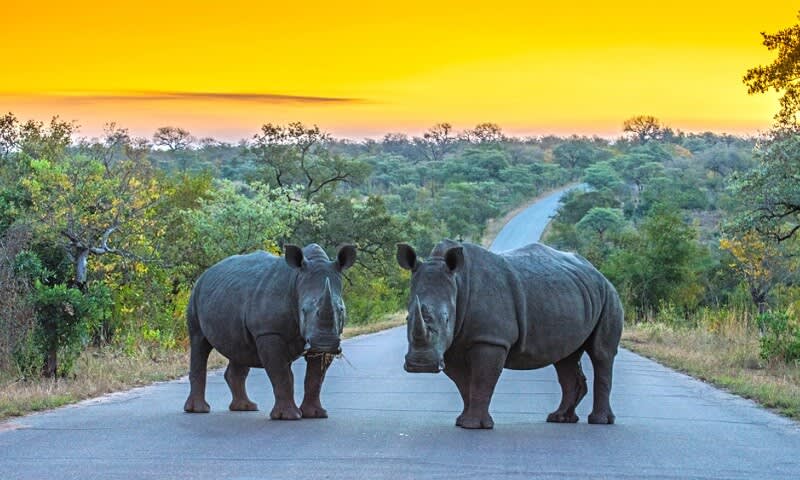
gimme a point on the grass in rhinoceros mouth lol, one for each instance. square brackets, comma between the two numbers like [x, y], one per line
[727, 357]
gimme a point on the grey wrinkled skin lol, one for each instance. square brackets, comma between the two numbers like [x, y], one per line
[472, 313]
[259, 310]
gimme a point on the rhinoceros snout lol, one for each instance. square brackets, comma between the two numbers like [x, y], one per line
[325, 345]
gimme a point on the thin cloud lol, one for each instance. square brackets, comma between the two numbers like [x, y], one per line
[149, 96]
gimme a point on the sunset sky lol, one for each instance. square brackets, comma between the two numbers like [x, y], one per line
[360, 69]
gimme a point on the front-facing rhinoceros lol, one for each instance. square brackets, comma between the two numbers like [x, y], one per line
[472, 313]
[261, 311]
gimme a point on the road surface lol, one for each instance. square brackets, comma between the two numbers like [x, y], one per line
[528, 225]
[388, 424]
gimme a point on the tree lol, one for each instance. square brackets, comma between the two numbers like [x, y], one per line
[9, 135]
[660, 265]
[600, 220]
[238, 218]
[783, 74]
[762, 262]
[771, 191]
[399, 144]
[296, 155]
[484, 133]
[83, 203]
[602, 176]
[436, 142]
[575, 153]
[173, 138]
[645, 128]
[177, 141]
[33, 139]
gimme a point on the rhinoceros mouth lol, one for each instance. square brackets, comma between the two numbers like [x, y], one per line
[313, 353]
[422, 367]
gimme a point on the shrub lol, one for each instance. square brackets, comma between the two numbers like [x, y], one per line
[781, 339]
[64, 320]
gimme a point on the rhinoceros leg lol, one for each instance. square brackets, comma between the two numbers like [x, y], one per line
[601, 411]
[274, 355]
[602, 350]
[198, 362]
[573, 388]
[485, 365]
[235, 376]
[459, 374]
[316, 366]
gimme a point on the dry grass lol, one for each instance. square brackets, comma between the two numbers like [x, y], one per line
[727, 357]
[96, 373]
[388, 321]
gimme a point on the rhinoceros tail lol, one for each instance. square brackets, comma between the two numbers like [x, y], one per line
[192, 323]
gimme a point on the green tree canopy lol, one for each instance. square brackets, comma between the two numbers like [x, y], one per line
[600, 220]
[771, 191]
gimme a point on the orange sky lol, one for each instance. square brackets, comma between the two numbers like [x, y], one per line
[366, 68]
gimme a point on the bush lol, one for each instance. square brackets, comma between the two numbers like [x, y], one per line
[371, 297]
[781, 338]
[28, 357]
[63, 316]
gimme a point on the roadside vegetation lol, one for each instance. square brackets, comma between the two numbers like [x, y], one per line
[701, 236]
[102, 239]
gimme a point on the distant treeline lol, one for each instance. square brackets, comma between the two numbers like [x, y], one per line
[102, 239]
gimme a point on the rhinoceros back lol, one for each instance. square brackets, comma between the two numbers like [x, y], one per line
[549, 304]
[241, 298]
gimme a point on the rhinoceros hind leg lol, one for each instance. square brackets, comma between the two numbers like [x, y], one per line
[601, 410]
[198, 362]
[274, 355]
[602, 418]
[316, 366]
[602, 348]
[485, 365]
[573, 388]
[235, 376]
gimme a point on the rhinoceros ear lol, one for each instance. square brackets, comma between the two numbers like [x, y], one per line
[294, 256]
[407, 257]
[454, 258]
[346, 257]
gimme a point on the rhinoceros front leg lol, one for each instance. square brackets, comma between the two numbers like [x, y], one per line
[316, 366]
[274, 355]
[235, 376]
[485, 365]
[459, 374]
[198, 363]
[573, 388]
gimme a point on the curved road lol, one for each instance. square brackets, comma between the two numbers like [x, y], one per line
[528, 225]
[385, 423]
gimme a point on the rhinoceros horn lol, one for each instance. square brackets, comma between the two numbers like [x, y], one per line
[419, 332]
[326, 307]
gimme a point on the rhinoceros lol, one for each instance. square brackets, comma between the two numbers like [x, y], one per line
[259, 310]
[472, 313]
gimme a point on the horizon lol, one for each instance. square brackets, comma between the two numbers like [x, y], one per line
[358, 72]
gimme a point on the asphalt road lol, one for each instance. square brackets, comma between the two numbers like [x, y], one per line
[528, 225]
[386, 423]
